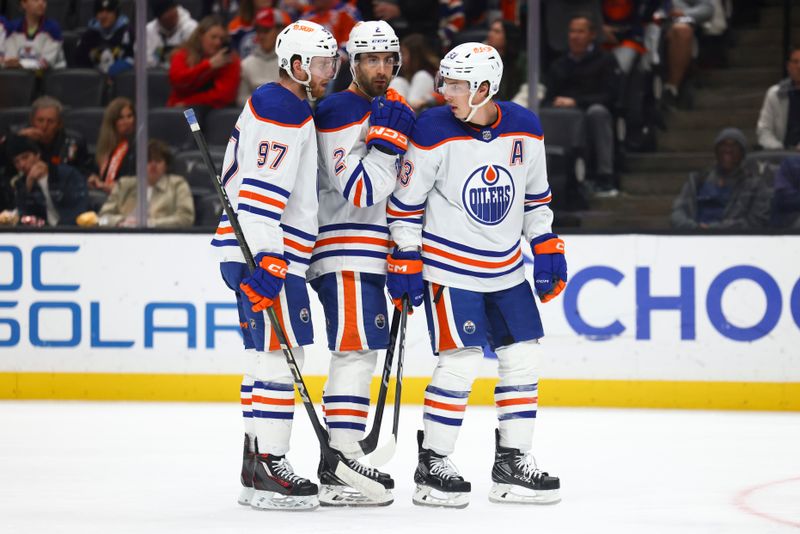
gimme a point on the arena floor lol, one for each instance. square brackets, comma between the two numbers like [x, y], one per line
[75, 467]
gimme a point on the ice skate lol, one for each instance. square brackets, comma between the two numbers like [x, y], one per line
[517, 479]
[438, 482]
[246, 477]
[277, 487]
[334, 492]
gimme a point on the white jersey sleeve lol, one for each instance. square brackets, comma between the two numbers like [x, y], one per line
[538, 217]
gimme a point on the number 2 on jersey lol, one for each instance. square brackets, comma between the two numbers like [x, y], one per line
[264, 148]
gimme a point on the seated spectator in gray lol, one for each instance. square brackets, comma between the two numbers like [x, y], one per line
[51, 194]
[786, 199]
[261, 66]
[170, 203]
[57, 145]
[170, 28]
[728, 196]
[107, 44]
[682, 18]
[779, 120]
[587, 78]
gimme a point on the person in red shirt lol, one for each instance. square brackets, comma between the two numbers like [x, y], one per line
[205, 71]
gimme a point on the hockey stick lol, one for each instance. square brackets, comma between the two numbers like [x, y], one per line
[382, 455]
[368, 444]
[334, 459]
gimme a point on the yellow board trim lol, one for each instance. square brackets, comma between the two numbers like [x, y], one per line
[781, 396]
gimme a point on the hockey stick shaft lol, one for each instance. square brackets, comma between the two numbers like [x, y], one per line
[366, 485]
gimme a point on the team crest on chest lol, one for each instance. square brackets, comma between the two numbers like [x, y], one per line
[488, 194]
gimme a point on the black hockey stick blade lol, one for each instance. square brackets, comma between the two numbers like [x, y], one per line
[334, 458]
[368, 444]
[385, 453]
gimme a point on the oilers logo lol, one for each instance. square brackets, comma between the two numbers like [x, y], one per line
[488, 194]
[305, 315]
[380, 321]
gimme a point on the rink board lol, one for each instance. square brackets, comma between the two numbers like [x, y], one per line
[645, 321]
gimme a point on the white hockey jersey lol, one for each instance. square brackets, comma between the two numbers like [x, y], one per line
[354, 183]
[42, 50]
[467, 195]
[270, 175]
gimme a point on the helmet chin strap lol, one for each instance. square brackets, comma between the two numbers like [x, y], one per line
[306, 84]
[475, 107]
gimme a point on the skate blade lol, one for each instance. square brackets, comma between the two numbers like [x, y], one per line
[512, 494]
[245, 496]
[342, 496]
[427, 496]
[269, 500]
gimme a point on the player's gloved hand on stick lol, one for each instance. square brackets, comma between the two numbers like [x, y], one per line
[266, 282]
[404, 277]
[549, 266]
[390, 124]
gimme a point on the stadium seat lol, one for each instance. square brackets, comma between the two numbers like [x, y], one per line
[189, 164]
[75, 87]
[71, 39]
[564, 136]
[87, 122]
[16, 87]
[219, 124]
[766, 162]
[13, 117]
[207, 209]
[169, 125]
[158, 87]
[194, 7]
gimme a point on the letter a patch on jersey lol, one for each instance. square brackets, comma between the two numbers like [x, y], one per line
[516, 152]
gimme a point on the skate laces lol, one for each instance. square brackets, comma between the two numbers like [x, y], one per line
[361, 469]
[441, 466]
[527, 463]
[284, 469]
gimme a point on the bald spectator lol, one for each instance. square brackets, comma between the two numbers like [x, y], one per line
[779, 120]
[170, 28]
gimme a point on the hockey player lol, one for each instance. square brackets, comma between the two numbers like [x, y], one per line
[361, 135]
[270, 176]
[474, 181]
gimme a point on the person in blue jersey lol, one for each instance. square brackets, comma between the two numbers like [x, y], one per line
[361, 134]
[473, 182]
[270, 175]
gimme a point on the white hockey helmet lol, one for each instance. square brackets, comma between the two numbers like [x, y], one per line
[474, 63]
[372, 36]
[308, 40]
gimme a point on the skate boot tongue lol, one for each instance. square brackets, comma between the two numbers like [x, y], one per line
[442, 467]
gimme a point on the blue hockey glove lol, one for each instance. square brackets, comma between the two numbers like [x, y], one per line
[549, 266]
[404, 277]
[266, 282]
[391, 122]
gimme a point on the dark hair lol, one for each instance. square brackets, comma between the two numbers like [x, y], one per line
[512, 76]
[420, 56]
[587, 16]
[159, 150]
[193, 44]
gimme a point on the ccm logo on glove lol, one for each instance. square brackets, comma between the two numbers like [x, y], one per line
[393, 136]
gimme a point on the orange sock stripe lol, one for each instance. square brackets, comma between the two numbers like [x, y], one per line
[445, 341]
[351, 340]
[513, 402]
[445, 406]
[344, 411]
[270, 400]
[247, 402]
[226, 230]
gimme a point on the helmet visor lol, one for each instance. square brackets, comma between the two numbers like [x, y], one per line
[375, 61]
[325, 68]
[450, 87]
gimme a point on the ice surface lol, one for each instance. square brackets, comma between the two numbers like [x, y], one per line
[74, 467]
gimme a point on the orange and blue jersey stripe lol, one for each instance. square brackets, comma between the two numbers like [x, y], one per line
[262, 198]
[535, 201]
[441, 253]
[352, 239]
[273, 400]
[397, 211]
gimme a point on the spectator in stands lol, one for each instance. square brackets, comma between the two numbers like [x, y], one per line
[338, 16]
[779, 120]
[242, 29]
[170, 28]
[34, 42]
[169, 198]
[786, 199]
[261, 66]
[3, 34]
[586, 78]
[680, 19]
[506, 38]
[730, 195]
[205, 71]
[417, 71]
[107, 44]
[57, 145]
[623, 29]
[438, 21]
[52, 195]
[116, 155]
